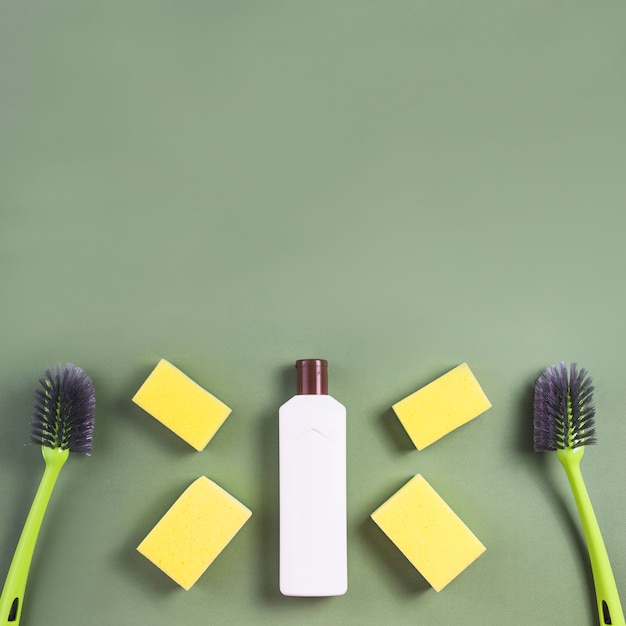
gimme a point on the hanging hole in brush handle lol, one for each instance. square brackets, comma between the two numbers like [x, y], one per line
[13, 611]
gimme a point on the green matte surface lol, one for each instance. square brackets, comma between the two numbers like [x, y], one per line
[397, 187]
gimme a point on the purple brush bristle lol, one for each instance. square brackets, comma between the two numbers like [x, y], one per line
[64, 410]
[564, 412]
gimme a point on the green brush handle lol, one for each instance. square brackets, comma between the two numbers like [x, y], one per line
[607, 597]
[12, 596]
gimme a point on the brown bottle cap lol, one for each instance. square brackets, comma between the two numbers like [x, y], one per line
[312, 376]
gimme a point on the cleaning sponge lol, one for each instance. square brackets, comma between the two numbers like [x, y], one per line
[441, 406]
[426, 530]
[181, 404]
[194, 531]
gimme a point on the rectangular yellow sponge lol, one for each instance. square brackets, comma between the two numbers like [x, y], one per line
[441, 406]
[181, 404]
[428, 532]
[197, 527]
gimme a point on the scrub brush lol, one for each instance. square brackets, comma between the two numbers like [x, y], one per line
[62, 421]
[564, 420]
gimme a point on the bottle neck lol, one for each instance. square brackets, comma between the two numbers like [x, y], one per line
[312, 377]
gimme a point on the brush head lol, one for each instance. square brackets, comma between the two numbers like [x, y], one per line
[564, 410]
[64, 412]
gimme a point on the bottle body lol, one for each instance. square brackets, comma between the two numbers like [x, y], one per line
[313, 516]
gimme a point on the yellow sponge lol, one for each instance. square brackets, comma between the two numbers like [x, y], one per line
[441, 406]
[428, 532]
[197, 527]
[181, 404]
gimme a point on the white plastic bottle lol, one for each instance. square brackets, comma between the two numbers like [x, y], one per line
[313, 528]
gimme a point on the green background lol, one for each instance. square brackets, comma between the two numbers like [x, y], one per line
[397, 187]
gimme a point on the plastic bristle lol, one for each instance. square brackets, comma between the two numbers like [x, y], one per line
[64, 412]
[564, 414]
